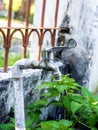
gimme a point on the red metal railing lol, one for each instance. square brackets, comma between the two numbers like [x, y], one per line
[27, 31]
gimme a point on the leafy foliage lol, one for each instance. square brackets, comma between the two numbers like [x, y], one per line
[8, 126]
[79, 104]
[80, 107]
[56, 125]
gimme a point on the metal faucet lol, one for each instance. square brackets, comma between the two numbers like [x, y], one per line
[47, 63]
[51, 65]
[17, 76]
[48, 53]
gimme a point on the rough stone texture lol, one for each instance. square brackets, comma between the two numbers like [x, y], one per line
[78, 19]
[32, 78]
[82, 17]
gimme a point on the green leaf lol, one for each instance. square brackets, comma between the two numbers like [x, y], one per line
[49, 125]
[54, 92]
[28, 128]
[56, 125]
[34, 115]
[56, 103]
[79, 98]
[40, 102]
[29, 123]
[46, 85]
[67, 102]
[61, 88]
[87, 94]
[95, 98]
[8, 126]
[66, 123]
[93, 128]
[75, 106]
[37, 104]
[46, 95]
[92, 119]
[12, 120]
[95, 108]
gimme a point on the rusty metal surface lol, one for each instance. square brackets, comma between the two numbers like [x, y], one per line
[27, 31]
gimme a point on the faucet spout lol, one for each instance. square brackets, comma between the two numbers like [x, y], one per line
[53, 67]
[17, 75]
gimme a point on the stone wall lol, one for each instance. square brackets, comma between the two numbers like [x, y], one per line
[81, 16]
[82, 19]
[31, 79]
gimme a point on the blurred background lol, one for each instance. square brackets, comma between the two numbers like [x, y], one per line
[18, 20]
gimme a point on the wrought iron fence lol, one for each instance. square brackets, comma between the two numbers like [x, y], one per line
[27, 30]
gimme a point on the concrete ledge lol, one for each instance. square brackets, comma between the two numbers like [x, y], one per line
[31, 79]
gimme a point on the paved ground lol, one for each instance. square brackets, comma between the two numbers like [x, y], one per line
[3, 23]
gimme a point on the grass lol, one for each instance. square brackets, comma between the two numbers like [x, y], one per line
[1, 39]
[12, 59]
[1, 59]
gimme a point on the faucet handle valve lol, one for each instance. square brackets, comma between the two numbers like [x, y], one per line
[46, 54]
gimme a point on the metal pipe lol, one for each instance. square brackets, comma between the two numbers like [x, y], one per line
[53, 67]
[8, 40]
[19, 109]
[56, 13]
[10, 13]
[25, 44]
[39, 52]
[55, 22]
[26, 39]
[24, 50]
[43, 13]
[41, 30]
[53, 38]
[40, 44]
[6, 59]
[17, 75]
[28, 13]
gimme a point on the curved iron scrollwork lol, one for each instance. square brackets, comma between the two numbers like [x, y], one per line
[26, 32]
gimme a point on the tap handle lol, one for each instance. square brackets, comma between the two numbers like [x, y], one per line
[46, 55]
[70, 44]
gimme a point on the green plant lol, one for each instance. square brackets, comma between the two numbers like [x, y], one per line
[1, 59]
[8, 126]
[9, 123]
[1, 39]
[80, 106]
[56, 125]
[12, 58]
[31, 17]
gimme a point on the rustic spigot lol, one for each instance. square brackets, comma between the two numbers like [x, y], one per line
[48, 53]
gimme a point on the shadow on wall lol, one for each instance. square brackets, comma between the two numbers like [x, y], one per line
[78, 64]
